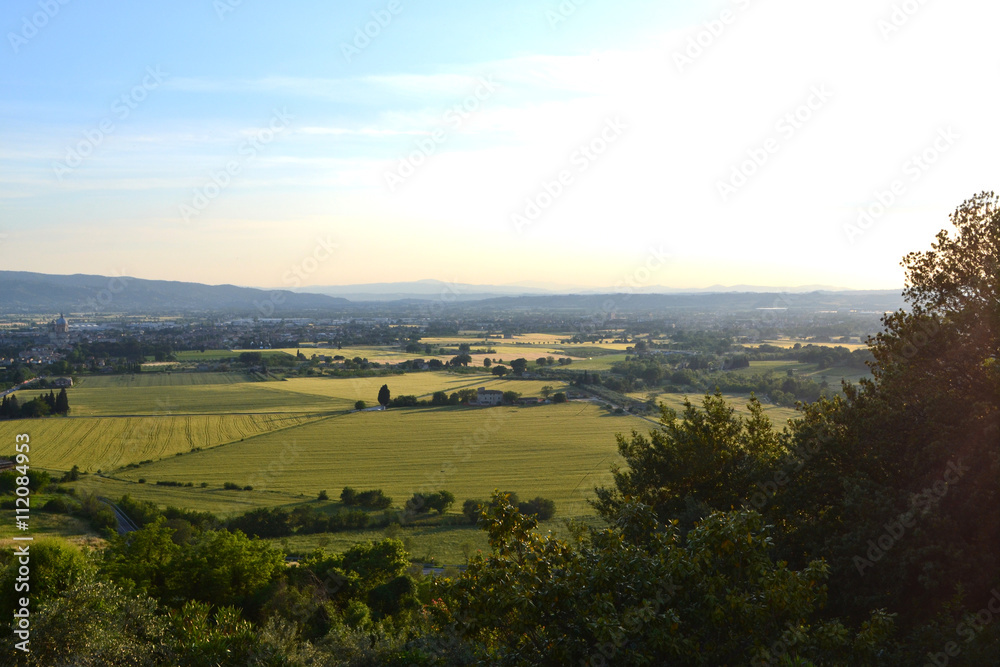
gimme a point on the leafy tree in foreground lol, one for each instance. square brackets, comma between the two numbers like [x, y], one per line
[918, 440]
[707, 458]
[638, 593]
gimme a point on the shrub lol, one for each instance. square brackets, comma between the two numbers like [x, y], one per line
[373, 498]
[543, 508]
[262, 522]
[472, 509]
[57, 505]
[422, 503]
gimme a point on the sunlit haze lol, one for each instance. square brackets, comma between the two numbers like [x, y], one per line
[565, 144]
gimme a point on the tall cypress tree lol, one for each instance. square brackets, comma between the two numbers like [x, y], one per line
[62, 402]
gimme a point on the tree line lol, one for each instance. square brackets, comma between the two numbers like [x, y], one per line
[42, 405]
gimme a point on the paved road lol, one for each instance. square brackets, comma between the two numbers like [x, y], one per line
[19, 387]
[125, 524]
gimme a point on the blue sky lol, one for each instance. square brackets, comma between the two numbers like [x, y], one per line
[577, 142]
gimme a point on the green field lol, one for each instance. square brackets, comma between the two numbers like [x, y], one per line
[781, 367]
[44, 525]
[597, 363]
[159, 380]
[105, 443]
[194, 399]
[555, 451]
[290, 439]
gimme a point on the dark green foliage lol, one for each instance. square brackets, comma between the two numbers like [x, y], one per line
[511, 396]
[461, 360]
[640, 593]
[393, 597]
[55, 565]
[559, 397]
[472, 509]
[542, 509]
[383, 395]
[711, 458]
[140, 511]
[216, 567]
[371, 499]
[58, 505]
[251, 358]
[38, 480]
[101, 517]
[262, 522]
[405, 401]
[97, 623]
[421, 503]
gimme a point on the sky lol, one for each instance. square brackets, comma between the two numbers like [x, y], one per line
[546, 142]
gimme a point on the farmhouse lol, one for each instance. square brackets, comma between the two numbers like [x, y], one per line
[488, 396]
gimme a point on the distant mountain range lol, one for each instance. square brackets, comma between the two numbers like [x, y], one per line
[437, 289]
[26, 292]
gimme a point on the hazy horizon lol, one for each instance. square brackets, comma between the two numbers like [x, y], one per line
[569, 143]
